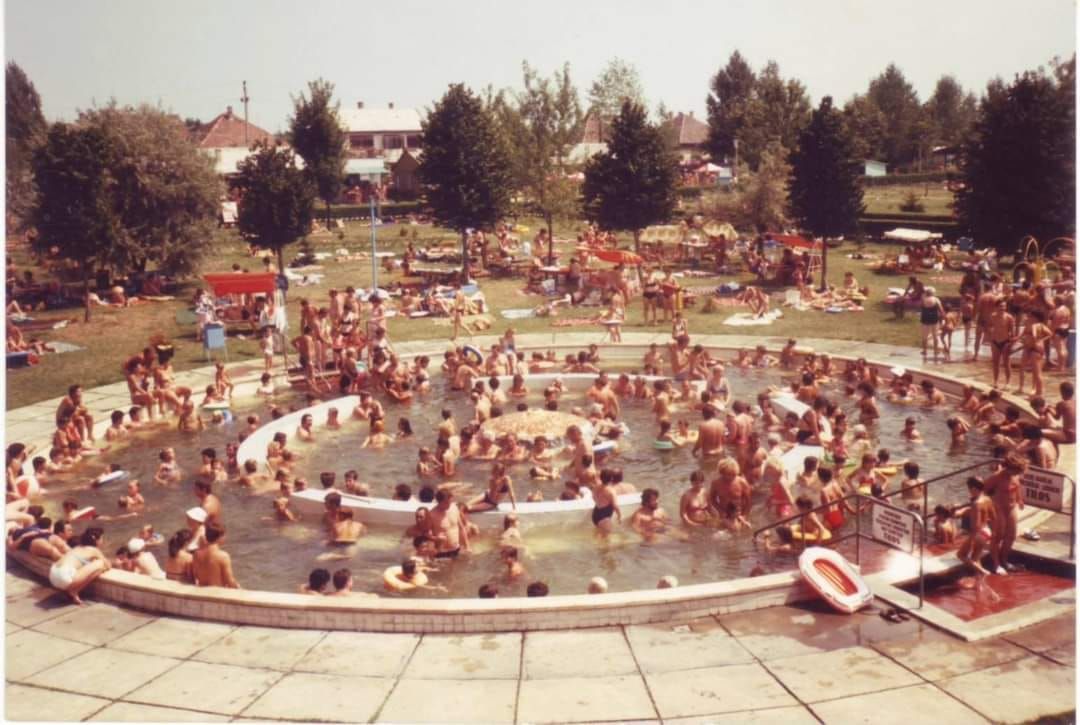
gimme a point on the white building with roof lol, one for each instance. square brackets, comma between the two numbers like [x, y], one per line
[381, 132]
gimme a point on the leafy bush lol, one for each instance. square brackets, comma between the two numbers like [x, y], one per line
[911, 203]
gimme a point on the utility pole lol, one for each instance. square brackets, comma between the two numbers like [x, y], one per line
[244, 99]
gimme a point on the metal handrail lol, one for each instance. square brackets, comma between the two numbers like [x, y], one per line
[925, 485]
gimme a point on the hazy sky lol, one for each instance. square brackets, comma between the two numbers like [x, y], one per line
[191, 56]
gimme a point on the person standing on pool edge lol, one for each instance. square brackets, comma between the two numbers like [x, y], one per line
[1004, 487]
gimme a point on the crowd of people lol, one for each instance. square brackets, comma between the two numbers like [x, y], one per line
[739, 446]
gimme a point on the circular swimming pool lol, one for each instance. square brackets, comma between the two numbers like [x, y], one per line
[270, 554]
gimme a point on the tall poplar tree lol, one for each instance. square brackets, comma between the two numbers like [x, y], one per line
[317, 135]
[825, 193]
[632, 184]
[465, 169]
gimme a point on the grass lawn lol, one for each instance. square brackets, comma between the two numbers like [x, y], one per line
[887, 199]
[112, 334]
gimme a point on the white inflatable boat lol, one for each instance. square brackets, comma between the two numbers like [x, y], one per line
[835, 579]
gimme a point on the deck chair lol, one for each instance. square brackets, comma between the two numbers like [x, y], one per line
[214, 339]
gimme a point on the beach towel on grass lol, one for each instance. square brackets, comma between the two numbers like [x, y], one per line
[60, 346]
[573, 322]
[519, 314]
[468, 319]
[746, 319]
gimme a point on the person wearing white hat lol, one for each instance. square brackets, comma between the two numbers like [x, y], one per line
[598, 585]
[143, 560]
[196, 522]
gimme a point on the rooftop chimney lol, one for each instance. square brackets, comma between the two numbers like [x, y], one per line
[228, 111]
[391, 105]
[691, 114]
[359, 104]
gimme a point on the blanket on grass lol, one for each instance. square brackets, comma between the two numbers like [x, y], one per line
[745, 319]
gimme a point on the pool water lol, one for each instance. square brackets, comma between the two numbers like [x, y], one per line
[272, 555]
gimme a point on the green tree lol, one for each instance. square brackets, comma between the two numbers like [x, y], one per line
[618, 82]
[133, 192]
[74, 212]
[278, 200]
[465, 169]
[901, 110]
[825, 193]
[777, 111]
[865, 124]
[1019, 166]
[765, 199]
[166, 193]
[545, 122]
[632, 184]
[731, 91]
[951, 111]
[317, 135]
[25, 130]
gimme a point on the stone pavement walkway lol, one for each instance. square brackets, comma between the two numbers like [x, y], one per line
[799, 664]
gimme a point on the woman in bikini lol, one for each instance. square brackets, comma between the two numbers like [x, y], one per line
[1033, 341]
[499, 485]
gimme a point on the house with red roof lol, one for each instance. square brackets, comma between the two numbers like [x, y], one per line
[690, 135]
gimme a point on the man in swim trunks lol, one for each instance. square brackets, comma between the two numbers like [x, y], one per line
[211, 565]
[72, 407]
[710, 440]
[729, 488]
[984, 310]
[606, 505]
[1001, 329]
[446, 527]
[650, 519]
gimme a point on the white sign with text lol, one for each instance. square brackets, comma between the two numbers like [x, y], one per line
[893, 527]
[1044, 489]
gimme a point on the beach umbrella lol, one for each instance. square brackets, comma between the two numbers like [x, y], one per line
[618, 256]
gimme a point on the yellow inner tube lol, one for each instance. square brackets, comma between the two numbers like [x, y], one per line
[798, 535]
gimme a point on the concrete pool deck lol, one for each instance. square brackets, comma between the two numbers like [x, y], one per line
[788, 664]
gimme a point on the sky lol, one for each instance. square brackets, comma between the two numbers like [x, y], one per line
[190, 57]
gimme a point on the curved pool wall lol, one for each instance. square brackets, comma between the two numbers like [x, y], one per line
[389, 614]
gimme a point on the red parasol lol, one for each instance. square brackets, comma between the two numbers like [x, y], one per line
[790, 240]
[618, 256]
[241, 283]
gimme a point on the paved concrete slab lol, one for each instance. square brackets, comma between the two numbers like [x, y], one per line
[215, 688]
[35, 607]
[936, 656]
[577, 653]
[1053, 633]
[277, 649]
[666, 647]
[27, 652]
[32, 703]
[466, 657]
[774, 716]
[715, 690]
[103, 672]
[363, 654]
[172, 637]
[95, 624]
[808, 628]
[11, 628]
[921, 703]
[451, 701]
[584, 699]
[842, 673]
[133, 712]
[1018, 691]
[322, 698]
